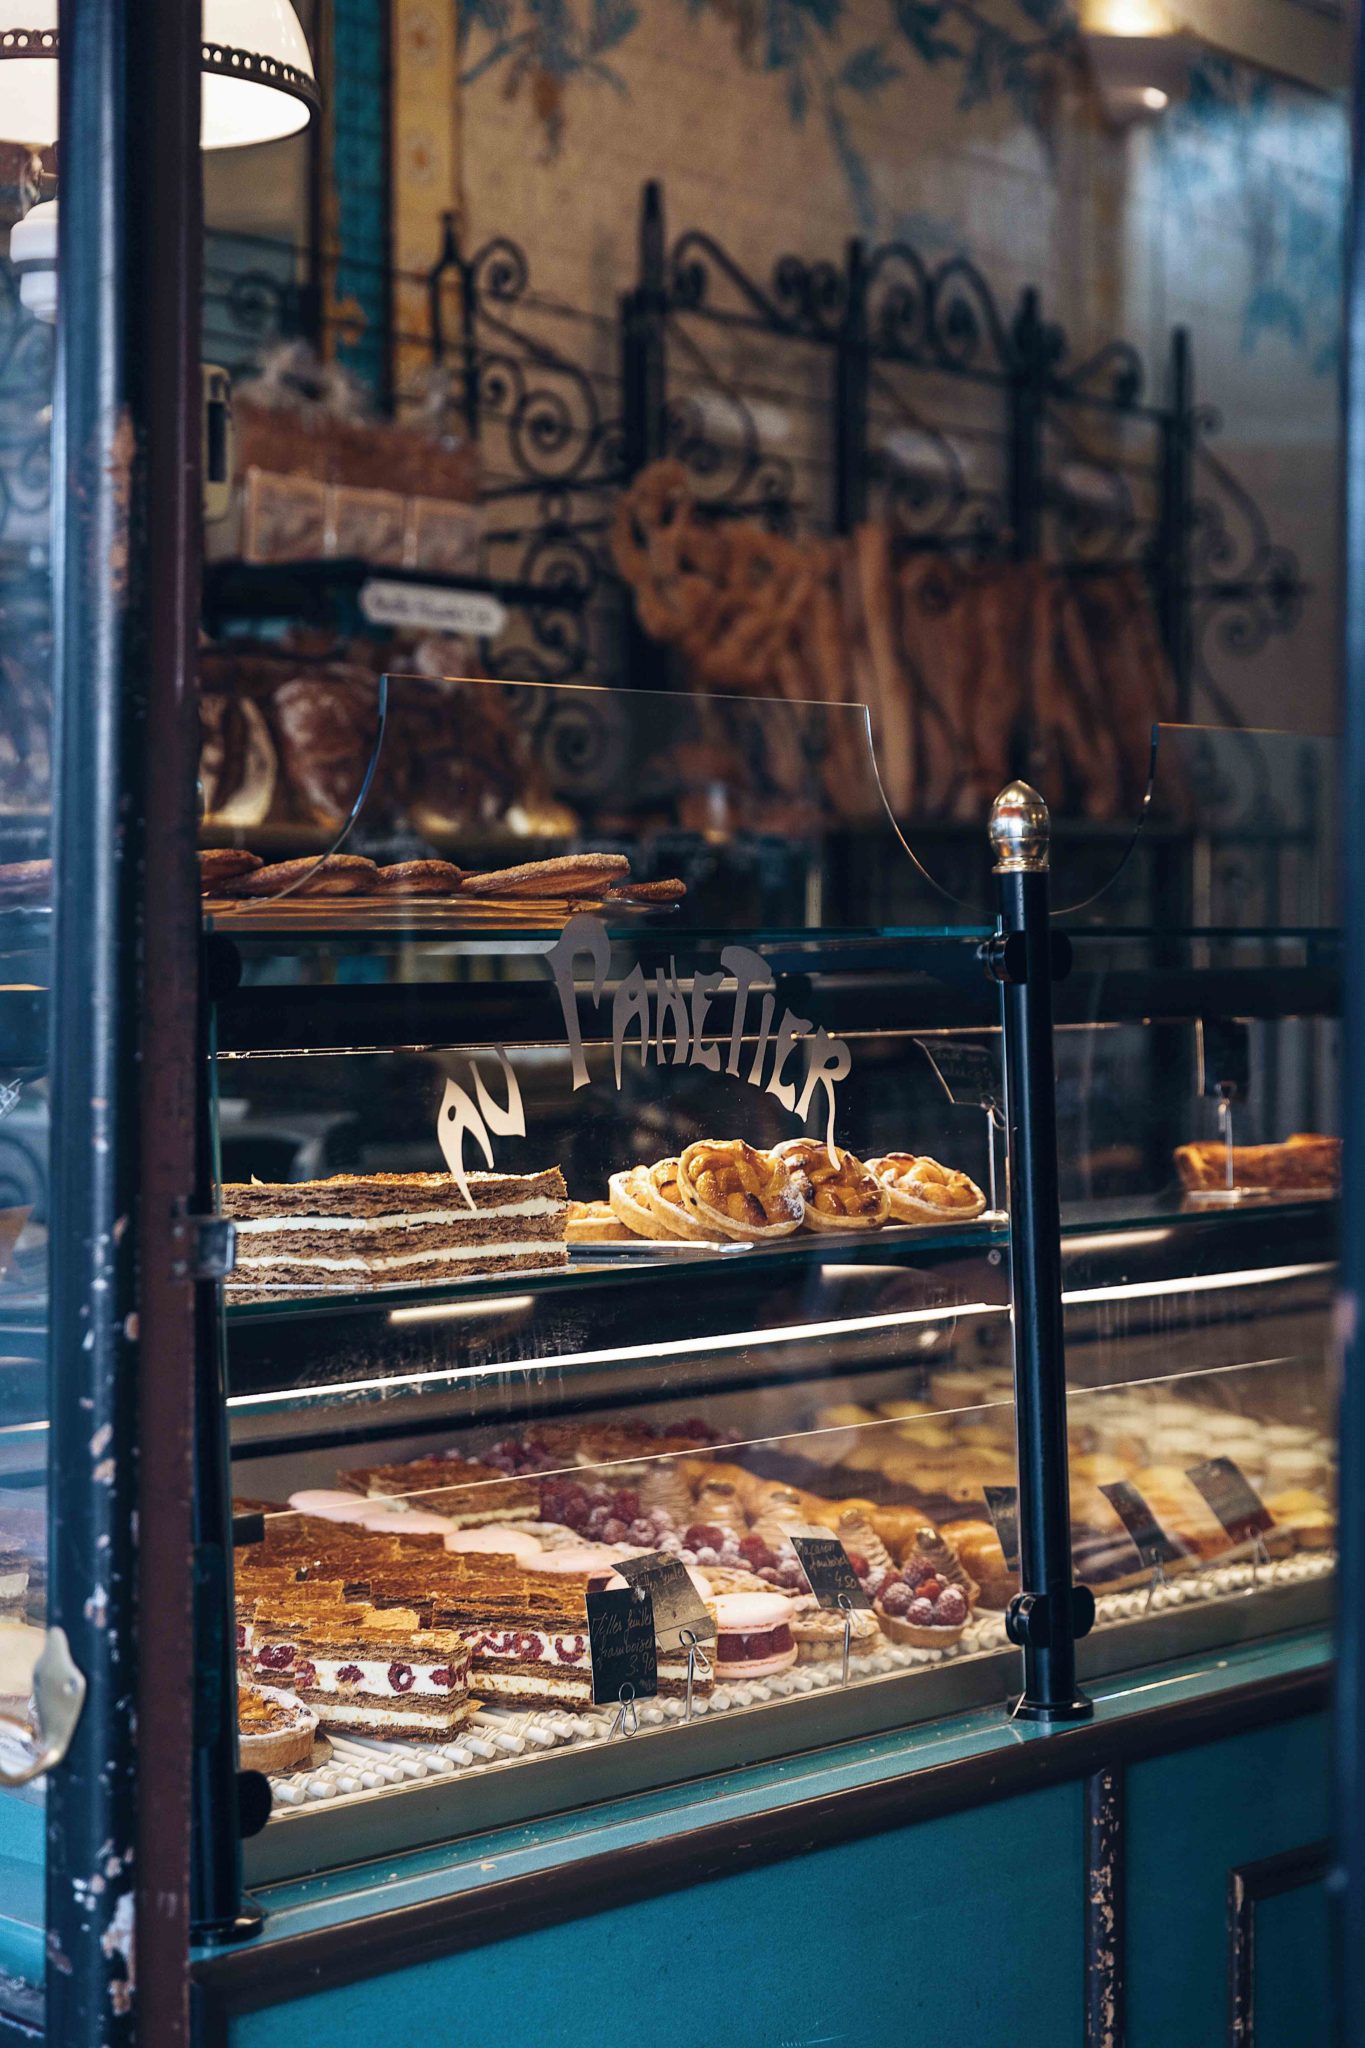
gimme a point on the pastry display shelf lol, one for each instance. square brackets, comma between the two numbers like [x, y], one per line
[415, 986]
[372, 1797]
[325, 1371]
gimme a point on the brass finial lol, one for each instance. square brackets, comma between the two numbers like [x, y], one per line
[1020, 830]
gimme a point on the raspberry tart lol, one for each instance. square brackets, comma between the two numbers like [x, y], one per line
[921, 1191]
[839, 1192]
[733, 1190]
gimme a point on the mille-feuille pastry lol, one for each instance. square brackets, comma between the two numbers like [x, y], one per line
[732, 1188]
[838, 1191]
[419, 878]
[570, 874]
[664, 1197]
[628, 1194]
[596, 1223]
[922, 1191]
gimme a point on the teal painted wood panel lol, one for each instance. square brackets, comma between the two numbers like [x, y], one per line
[1191, 1817]
[1293, 1964]
[962, 1933]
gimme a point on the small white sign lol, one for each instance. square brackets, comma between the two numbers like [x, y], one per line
[433, 607]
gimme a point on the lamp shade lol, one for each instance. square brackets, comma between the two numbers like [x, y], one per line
[258, 74]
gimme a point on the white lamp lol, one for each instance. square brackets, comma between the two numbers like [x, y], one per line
[258, 85]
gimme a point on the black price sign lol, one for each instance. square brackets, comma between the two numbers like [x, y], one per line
[1232, 1497]
[968, 1072]
[677, 1604]
[1002, 1505]
[1153, 1545]
[831, 1577]
[621, 1639]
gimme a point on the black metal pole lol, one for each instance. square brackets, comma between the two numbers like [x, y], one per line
[1175, 519]
[100, 607]
[1348, 1885]
[1026, 430]
[850, 397]
[644, 418]
[1048, 1614]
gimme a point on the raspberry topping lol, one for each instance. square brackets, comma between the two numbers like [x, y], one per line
[444, 1675]
[921, 1612]
[929, 1589]
[570, 1649]
[402, 1677]
[858, 1562]
[349, 1674]
[950, 1608]
[276, 1656]
[705, 1536]
[895, 1598]
[304, 1672]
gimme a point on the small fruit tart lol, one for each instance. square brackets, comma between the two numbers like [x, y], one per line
[922, 1191]
[276, 1731]
[929, 1615]
[839, 1192]
[732, 1189]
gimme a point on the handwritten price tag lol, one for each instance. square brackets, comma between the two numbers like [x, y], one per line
[676, 1602]
[1002, 1505]
[831, 1577]
[1150, 1540]
[621, 1641]
[1232, 1497]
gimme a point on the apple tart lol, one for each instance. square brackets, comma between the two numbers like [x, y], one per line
[664, 1196]
[839, 1192]
[731, 1188]
[922, 1191]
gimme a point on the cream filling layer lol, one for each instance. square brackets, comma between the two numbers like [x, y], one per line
[563, 1685]
[357, 1713]
[409, 1219]
[497, 1249]
[376, 1678]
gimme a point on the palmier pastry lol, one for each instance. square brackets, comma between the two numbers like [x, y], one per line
[732, 1188]
[569, 874]
[922, 1191]
[668, 890]
[595, 1223]
[420, 878]
[628, 1194]
[218, 864]
[664, 1197]
[839, 1193]
[340, 874]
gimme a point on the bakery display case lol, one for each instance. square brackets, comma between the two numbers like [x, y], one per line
[624, 1172]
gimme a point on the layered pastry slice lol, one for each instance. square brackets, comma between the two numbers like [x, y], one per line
[365, 1670]
[839, 1192]
[469, 1496]
[394, 1229]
